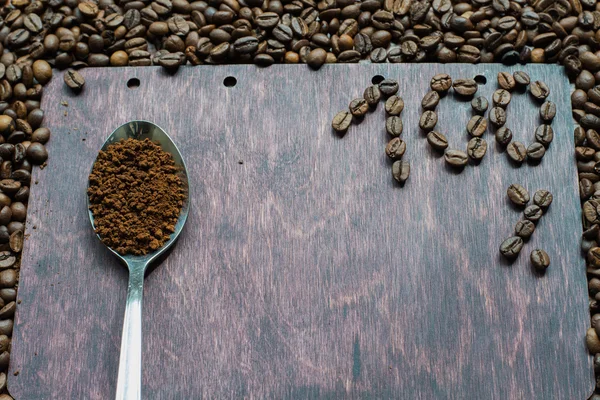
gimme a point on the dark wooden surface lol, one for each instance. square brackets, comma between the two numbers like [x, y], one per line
[305, 272]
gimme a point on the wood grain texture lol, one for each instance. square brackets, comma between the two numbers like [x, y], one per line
[305, 272]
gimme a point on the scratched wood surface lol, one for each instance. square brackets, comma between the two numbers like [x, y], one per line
[304, 271]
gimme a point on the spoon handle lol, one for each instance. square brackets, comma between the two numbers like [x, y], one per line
[129, 383]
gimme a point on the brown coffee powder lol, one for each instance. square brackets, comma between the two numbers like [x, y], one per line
[135, 196]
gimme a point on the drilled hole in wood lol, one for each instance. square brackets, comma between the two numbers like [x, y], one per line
[133, 83]
[377, 79]
[480, 79]
[230, 81]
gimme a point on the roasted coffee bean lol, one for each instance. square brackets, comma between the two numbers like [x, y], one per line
[16, 241]
[316, 58]
[539, 90]
[37, 153]
[359, 107]
[590, 121]
[74, 80]
[590, 210]
[395, 148]
[548, 111]
[593, 258]
[497, 116]
[536, 151]
[430, 100]
[437, 140]
[372, 95]
[394, 105]
[388, 87]
[511, 247]
[524, 229]
[501, 98]
[428, 120]
[400, 171]
[441, 83]
[341, 122]
[476, 148]
[456, 158]
[477, 126]
[592, 137]
[544, 134]
[516, 151]
[503, 136]
[506, 81]
[533, 213]
[540, 260]
[479, 105]
[542, 198]
[393, 125]
[465, 87]
[518, 194]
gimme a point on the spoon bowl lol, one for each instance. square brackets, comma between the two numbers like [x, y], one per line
[129, 380]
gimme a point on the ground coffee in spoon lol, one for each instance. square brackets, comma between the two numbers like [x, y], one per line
[135, 196]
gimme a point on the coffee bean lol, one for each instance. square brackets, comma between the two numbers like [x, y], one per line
[372, 95]
[441, 83]
[593, 258]
[74, 80]
[536, 151]
[316, 58]
[246, 45]
[465, 87]
[477, 126]
[393, 125]
[539, 259]
[533, 213]
[544, 134]
[524, 229]
[511, 247]
[341, 121]
[501, 98]
[548, 111]
[437, 140]
[428, 120]
[479, 105]
[506, 81]
[16, 242]
[430, 100]
[400, 171]
[590, 121]
[7, 259]
[388, 87]
[37, 153]
[476, 148]
[394, 105]
[516, 152]
[456, 158]
[590, 210]
[503, 136]
[359, 107]
[518, 194]
[542, 198]
[395, 148]
[539, 90]
[497, 116]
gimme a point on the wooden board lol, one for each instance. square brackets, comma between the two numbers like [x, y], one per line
[305, 271]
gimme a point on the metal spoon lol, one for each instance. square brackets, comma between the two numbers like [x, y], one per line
[129, 383]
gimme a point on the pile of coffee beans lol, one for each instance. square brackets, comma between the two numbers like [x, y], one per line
[387, 89]
[524, 228]
[515, 150]
[440, 85]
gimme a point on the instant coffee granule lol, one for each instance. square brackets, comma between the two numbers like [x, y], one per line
[135, 196]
